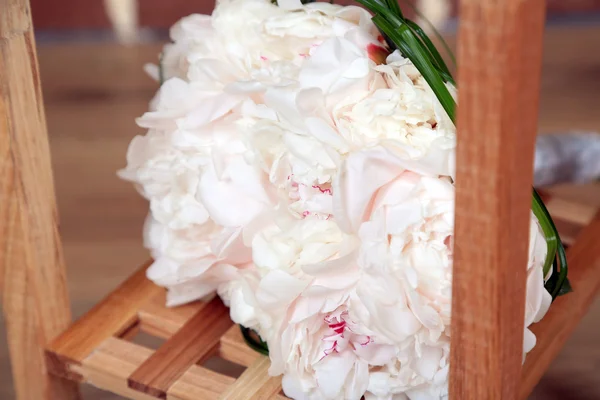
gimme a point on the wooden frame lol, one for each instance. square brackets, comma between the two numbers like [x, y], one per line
[500, 55]
[500, 49]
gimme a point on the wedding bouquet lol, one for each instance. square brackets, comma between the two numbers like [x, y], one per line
[299, 161]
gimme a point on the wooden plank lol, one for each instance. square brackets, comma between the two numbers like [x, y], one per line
[569, 217]
[233, 348]
[159, 320]
[111, 363]
[109, 366]
[500, 46]
[568, 231]
[255, 383]
[32, 269]
[199, 383]
[569, 211]
[113, 316]
[566, 312]
[197, 339]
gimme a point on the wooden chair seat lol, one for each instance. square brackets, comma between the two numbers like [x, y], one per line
[96, 348]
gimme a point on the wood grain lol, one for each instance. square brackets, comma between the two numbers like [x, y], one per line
[113, 316]
[569, 216]
[199, 383]
[111, 363]
[234, 348]
[32, 270]
[566, 312]
[500, 49]
[158, 320]
[197, 339]
[115, 359]
[255, 383]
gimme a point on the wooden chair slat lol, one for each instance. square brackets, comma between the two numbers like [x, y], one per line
[160, 321]
[569, 217]
[234, 348]
[255, 383]
[113, 316]
[564, 210]
[196, 340]
[199, 384]
[111, 363]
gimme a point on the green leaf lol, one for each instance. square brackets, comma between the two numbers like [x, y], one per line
[566, 288]
[556, 250]
[254, 341]
[436, 56]
[564, 270]
[543, 217]
[380, 9]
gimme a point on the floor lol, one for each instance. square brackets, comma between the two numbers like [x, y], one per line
[94, 92]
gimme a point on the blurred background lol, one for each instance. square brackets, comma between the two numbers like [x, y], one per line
[91, 55]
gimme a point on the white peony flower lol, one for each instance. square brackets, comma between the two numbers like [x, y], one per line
[387, 283]
[304, 173]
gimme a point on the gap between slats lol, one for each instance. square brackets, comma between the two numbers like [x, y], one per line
[196, 340]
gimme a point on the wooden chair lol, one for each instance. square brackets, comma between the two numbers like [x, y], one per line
[500, 57]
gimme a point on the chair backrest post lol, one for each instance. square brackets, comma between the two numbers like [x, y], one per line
[32, 270]
[499, 58]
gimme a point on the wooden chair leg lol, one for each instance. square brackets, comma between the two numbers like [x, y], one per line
[32, 271]
[499, 58]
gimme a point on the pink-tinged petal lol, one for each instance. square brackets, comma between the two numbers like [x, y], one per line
[376, 354]
[210, 110]
[284, 103]
[226, 203]
[429, 363]
[229, 246]
[309, 150]
[332, 371]
[336, 64]
[426, 315]
[332, 269]
[356, 386]
[293, 387]
[529, 341]
[361, 175]
[248, 179]
[538, 299]
[401, 216]
[290, 4]
[278, 289]
[323, 132]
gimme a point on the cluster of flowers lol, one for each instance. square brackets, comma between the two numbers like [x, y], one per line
[303, 171]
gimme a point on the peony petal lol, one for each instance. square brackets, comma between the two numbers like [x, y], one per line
[289, 4]
[278, 289]
[429, 363]
[331, 373]
[361, 175]
[225, 202]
